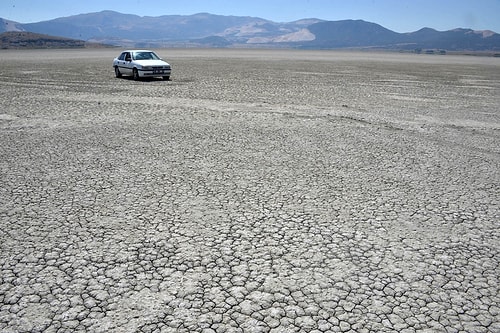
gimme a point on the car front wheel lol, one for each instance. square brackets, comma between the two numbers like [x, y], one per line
[117, 72]
[135, 74]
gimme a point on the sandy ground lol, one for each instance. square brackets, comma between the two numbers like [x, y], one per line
[257, 191]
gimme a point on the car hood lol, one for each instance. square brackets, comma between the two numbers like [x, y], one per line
[151, 63]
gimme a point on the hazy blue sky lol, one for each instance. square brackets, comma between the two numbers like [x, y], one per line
[397, 15]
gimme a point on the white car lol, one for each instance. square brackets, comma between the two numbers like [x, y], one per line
[141, 63]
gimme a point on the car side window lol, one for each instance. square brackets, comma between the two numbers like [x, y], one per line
[122, 56]
[128, 57]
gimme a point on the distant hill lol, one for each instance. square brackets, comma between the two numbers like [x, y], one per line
[350, 33]
[110, 24]
[457, 39]
[30, 40]
[204, 29]
[7, 25]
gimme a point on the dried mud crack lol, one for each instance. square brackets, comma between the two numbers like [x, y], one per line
[244, 196]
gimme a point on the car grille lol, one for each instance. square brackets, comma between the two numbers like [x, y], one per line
[161, 67]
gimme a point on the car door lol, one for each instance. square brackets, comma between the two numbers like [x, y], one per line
[126, 64]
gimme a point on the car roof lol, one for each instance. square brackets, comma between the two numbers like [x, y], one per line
[137, 51]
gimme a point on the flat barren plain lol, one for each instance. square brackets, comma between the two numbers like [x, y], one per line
[256, 191]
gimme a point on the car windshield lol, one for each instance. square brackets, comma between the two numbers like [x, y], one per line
[146, 55]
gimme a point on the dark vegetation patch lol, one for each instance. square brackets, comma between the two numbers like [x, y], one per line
[30, 40]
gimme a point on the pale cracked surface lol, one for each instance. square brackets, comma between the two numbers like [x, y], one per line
[258, 191]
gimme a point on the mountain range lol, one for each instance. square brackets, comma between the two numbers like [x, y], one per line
[209, 30]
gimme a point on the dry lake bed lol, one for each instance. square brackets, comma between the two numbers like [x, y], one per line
[256, 191]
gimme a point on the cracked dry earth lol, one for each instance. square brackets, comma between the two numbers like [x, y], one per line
[257, 191]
